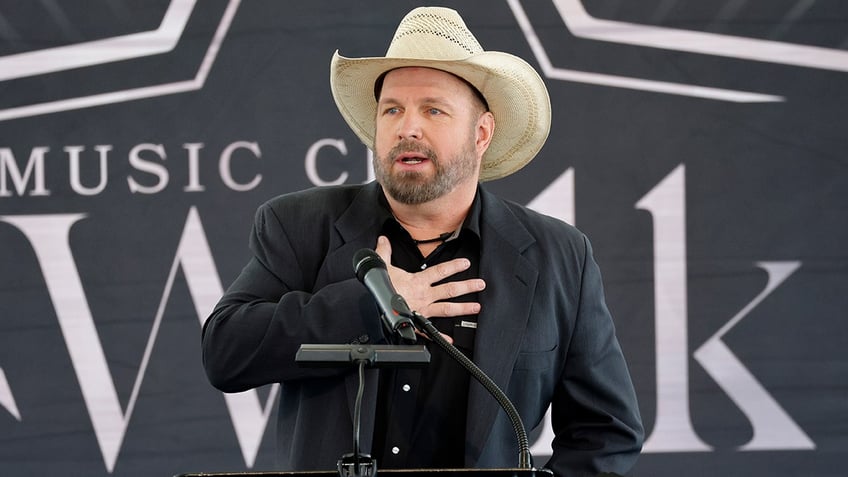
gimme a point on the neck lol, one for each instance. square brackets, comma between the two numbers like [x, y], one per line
[433, 218]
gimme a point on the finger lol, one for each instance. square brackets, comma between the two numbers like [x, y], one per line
[448, 309]
[458, 288]
[444, 270]
[384, 249]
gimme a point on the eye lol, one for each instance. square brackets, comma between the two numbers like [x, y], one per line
[391, 111]
[434, 111]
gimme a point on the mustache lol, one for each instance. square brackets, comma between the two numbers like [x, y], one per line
[406, 145]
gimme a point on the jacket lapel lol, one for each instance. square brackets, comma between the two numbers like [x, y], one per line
[358, 227]
[506, 302]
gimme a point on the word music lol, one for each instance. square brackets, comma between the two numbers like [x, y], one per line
[147, 160]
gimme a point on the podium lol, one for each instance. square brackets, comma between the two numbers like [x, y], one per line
[360, 356]
[404, 355]
[390, 473]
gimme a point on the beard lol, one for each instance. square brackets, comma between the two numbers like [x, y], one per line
[412, 188]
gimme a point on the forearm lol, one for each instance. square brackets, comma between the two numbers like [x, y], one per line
[251, 338]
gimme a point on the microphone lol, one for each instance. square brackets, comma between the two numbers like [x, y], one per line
[371, 270]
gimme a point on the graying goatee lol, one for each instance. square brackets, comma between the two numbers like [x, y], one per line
[413, 188]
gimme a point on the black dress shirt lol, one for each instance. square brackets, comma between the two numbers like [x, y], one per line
[421, 412]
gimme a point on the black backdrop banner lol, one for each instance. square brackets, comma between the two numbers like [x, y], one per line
[700, 145]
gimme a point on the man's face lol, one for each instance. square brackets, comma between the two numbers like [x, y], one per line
[426, 135]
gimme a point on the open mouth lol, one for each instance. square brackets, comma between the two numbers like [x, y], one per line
[411, 158]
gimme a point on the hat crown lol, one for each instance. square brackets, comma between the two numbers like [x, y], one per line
[434, 33]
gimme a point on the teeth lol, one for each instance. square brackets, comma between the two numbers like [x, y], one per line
[411, 161]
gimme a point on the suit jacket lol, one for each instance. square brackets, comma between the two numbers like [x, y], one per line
[544, 334]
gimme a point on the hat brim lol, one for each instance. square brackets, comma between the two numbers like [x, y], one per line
[516, 95]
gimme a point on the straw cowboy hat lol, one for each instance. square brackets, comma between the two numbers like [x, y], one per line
[437, 38]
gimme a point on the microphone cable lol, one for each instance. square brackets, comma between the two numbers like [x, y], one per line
[525, 460]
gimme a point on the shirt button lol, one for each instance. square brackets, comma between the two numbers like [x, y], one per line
[423, 266]
[395, 451]
[406, 388]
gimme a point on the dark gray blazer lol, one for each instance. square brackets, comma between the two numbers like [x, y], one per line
[545, 335]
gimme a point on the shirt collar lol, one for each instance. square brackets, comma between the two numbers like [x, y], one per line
[471, 222]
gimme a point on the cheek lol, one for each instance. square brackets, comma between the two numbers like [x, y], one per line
[381, 155]
[385, 129]
[381, 145]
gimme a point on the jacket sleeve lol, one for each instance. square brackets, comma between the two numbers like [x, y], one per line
[276, 304]
[595, 415]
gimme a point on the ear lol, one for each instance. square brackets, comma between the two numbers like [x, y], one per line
[485, 129]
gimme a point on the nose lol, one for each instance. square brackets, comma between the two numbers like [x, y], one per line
[409, 127]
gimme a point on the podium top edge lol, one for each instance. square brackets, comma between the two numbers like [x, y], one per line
[502, 472]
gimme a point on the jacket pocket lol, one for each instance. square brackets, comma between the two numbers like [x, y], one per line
[536, 359]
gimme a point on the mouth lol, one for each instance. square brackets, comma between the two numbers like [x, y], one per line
[410, 158]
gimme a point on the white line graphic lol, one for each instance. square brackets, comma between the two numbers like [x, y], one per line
[137, 93]
[584, 25]
[7, 400]
[51, 60]
[626, 82]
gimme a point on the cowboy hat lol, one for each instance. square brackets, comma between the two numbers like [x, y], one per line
[436, 37]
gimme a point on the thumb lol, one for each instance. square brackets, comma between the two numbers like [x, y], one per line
[384, 249]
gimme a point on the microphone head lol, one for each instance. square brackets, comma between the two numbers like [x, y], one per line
[366, 260]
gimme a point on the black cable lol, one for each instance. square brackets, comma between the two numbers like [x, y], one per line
[525, 460]
[357, 411]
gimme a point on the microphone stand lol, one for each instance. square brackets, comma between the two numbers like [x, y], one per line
[525, 460]
[357, 464]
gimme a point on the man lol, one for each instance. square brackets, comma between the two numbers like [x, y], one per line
[516, 291]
